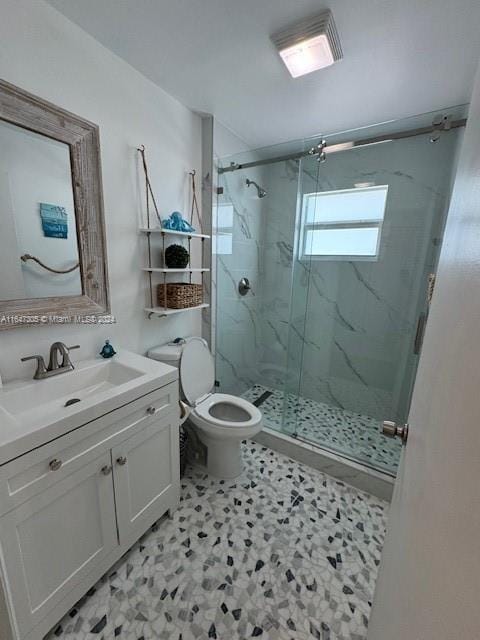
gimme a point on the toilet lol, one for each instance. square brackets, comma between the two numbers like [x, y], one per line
[221, 420]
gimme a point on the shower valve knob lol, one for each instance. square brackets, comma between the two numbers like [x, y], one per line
[392, 430]
[244, 287]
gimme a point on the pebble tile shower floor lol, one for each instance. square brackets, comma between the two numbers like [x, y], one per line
[282, 552]
[353, 435]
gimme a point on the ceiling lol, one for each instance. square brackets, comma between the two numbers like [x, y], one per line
[401, 57]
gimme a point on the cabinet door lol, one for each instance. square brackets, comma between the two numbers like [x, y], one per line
[50, 543]
[147, 477]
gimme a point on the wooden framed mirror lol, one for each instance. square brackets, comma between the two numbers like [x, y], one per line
[53, 263]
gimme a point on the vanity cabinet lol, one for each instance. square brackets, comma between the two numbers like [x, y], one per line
[57, 539]
[143, 468]
[72, 507]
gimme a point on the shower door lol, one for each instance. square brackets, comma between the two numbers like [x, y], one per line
[369, 227]
[255, 238]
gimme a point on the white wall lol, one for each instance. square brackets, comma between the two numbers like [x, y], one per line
[226, 142]
[42, 52]
[428, 582]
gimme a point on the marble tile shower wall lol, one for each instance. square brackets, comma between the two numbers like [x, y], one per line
[351, 325]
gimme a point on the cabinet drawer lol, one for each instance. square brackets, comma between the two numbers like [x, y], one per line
[41, 468]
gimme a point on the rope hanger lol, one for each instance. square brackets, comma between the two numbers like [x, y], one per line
[194, 201]
[150, 194]
[27, 256]
[149, 190]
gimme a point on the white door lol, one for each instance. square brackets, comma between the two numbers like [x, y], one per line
[51, 542]
[146, 475]
[429, 582]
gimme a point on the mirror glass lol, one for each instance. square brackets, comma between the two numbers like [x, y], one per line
[38, 234]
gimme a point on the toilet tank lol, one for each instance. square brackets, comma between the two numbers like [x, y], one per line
[168, 353]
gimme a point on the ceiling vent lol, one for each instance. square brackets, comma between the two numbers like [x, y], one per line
[309, 45]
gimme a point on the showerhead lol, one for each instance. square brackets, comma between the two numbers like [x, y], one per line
[260, 191]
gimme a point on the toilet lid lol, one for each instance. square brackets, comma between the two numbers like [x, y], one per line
[197, 371]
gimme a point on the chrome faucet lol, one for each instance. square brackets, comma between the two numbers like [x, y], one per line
[54, 368]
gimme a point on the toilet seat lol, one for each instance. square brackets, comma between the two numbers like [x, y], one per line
[215, 412]
[204, 408]
[219, 421]
[197, 371]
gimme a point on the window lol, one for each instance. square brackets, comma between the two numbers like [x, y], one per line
[224, 237]
[343, 224]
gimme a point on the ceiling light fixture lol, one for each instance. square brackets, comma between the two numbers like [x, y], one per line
[309, 45]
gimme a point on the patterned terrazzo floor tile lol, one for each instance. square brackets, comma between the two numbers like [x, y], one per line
[284, 552]
[351, 434]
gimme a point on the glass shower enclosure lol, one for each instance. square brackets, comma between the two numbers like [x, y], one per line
[339, 247]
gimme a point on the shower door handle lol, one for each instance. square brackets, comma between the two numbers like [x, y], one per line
[392, 430]
[417, 345]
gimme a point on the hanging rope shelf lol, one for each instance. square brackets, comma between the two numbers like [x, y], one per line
[188, 295]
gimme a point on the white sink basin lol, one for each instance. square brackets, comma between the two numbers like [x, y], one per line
[33, 412]
[51, 394]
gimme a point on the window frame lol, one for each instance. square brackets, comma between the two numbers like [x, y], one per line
[343, 224]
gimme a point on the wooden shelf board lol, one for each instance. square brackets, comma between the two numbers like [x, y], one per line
[161, 311]
[158, 270]
[170, 232]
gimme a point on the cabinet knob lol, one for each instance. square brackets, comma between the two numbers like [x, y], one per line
[151, 411]
[55, 464]
[106, 470]
[121, 460]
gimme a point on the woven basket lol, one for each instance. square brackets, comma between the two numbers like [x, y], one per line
[180, 295]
